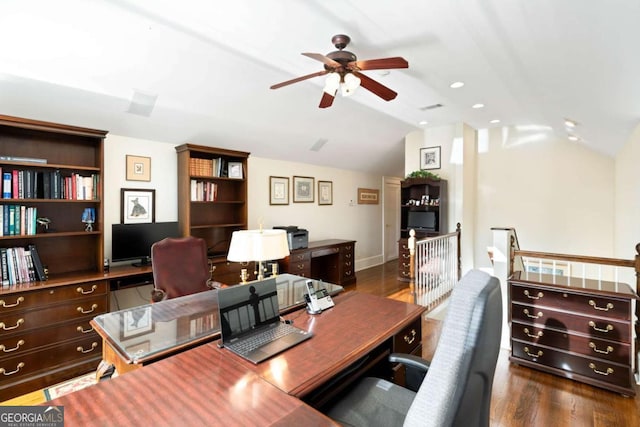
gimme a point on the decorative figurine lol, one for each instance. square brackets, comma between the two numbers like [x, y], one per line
[88, 217]
[44, 223]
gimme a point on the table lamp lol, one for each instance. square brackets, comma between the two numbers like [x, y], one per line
[259, 246]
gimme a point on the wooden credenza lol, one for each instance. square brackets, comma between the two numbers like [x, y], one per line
[576, 328]
[330, 260]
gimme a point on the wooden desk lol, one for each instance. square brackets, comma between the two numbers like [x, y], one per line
[207, 385]
[331, 260]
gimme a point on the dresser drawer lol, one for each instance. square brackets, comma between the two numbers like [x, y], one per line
[23, 342]
[409, 338]
[16, 322]
[596, 369]
[612, 351]
[43, 297]
[597, 305]
[611, 329]
[19, 366]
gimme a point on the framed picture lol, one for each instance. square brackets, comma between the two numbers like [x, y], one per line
[278, 190]
[137, 206]
[368, 196]
[137, 321]
[303, 187]
[235, 170]
[325, 192]
[138, 168]
[430, 158]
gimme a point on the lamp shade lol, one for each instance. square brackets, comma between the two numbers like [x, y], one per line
[258, 245]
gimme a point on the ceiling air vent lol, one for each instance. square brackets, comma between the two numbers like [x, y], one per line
[431, 107]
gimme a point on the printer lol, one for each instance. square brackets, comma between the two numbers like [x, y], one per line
[297, 237]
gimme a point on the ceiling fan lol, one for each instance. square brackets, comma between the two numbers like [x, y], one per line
[343, 72]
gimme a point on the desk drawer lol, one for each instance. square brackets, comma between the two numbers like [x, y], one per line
[19, 343]
[43, 297]
[409, 338]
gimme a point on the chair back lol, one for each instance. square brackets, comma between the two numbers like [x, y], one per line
[457, 388]
[180, 266]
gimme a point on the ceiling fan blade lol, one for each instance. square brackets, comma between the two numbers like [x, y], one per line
[326, 101]
[375, 87]
[299, 79]
[325, 60]
[380, 64]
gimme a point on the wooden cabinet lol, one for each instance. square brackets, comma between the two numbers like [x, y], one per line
[572, 327]
[212, 201]
[404, 261]
[331, 260]
[45, 335]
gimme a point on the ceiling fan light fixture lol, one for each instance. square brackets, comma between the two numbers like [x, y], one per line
[349, 85]
[332, 83]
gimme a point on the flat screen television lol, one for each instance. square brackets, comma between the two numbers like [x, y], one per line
[133, 241]
[422, 220]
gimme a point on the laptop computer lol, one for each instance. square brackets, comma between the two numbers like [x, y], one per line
[250, 321]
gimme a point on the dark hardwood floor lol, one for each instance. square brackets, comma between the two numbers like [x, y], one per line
[521, 396]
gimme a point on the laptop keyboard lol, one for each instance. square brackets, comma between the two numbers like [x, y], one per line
[247, 345]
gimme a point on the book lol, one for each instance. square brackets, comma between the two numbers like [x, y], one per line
[6, 185]
[4, 267]
[37, 263]
[23, 159]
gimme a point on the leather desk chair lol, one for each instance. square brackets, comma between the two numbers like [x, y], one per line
[456, 390]
[180, 267]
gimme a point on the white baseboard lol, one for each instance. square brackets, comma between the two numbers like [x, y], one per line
[363, 263]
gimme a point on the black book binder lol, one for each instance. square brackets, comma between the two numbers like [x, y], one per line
[37, 264]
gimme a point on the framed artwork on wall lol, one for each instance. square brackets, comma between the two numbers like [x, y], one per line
[368, 196]
[278, 190]
[138, 168]
[325, 192]
[430, 158]
[137, 206]
[303, 189]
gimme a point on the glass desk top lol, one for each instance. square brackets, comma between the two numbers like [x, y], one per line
[150, 331]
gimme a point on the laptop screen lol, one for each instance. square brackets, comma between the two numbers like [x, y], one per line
[245, 307]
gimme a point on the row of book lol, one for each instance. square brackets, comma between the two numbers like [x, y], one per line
[39, 184]
[208, 167]
[20, 265]
[203, 191]
[18, 220]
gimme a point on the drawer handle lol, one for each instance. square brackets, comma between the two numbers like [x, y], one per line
[348, 273]
[405, 265]
[8, 328]
[529, 334]
[82, 310]
[4, 372]
[82, 350]
[348, 264]
[18, 301]
[609, 306]
[405, 256]
[532, 316]
[348, 255]
[539, 354]
[9, 350]
[592, 345]
[300, 266]
[405, 247]
[595, 328]
[84, 331]
[593, 368]
[83, 292]
[410, 337]
[526, 293]
[406, 273]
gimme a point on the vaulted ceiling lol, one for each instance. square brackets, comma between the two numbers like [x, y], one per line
[199, 71]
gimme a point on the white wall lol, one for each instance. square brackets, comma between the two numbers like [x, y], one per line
[345, 219]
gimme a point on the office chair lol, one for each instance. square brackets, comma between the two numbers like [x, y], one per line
[180, 267]
[456, 390]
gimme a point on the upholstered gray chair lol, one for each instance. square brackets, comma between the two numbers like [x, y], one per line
[456, 390]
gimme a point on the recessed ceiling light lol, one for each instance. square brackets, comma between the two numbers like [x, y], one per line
[494, 121]
[573, 138]
[423, 122]
[456, 85]
[569, 123]
[477, 105]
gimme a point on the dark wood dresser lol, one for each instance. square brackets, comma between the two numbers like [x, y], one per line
[331, 260]
[575, 328]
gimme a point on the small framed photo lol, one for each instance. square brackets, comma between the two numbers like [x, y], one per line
[235, 170]
[325, 192]
[138, 168]
[278, 190]
[368, 196]
[303, 189]
[430, 158]
[137, 321]
[137, 206]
